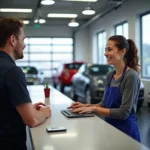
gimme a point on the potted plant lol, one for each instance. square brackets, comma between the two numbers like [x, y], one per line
[46, 90]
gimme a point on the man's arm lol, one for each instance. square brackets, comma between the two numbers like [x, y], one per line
[15, 85]
[31, 116]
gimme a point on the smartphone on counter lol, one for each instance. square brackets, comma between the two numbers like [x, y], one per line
[56, 129]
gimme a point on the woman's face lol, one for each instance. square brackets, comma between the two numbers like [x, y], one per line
[113, 55]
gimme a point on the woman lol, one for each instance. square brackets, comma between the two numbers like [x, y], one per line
[121, 93]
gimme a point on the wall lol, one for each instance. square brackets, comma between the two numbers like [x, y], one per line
[129, 11]
[82, 51]
[48, 31]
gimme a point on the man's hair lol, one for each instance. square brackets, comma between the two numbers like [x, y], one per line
[8, 27]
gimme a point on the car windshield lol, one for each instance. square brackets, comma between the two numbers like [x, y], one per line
[100, 69]
[73, 66]
[29, 70]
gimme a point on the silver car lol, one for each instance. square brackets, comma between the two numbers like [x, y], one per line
[89, 82]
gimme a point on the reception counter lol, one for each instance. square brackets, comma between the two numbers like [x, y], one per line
[90, 133]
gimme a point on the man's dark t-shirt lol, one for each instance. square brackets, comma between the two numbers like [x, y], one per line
[13, 92]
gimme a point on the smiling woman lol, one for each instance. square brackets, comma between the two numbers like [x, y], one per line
[122, 88]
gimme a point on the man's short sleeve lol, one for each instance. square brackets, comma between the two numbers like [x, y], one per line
[15, 84]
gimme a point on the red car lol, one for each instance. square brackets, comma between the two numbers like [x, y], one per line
[64, 73]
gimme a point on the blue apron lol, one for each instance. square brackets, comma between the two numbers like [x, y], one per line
[113, 100]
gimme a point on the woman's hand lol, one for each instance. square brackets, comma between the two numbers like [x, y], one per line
[84, 109]
[76, 105]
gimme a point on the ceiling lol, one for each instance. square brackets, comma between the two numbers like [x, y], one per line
[101, 7]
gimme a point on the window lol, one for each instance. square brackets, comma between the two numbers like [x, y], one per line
[46, 53]
[101, 39]
[122, 29]
[145, 45]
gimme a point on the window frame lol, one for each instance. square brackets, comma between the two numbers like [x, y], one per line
[51, 52]
[121, 24]
[98, 51]
[141, 47]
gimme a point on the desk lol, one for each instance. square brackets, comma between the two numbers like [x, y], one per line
[82, 133]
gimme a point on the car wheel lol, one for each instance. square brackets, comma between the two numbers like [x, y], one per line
[62, 88]
[88, 97]
[73, 95]
[55, 85]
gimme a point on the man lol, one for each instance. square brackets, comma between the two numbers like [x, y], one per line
[16, 109]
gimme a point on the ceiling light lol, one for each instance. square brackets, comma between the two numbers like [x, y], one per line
[15, 10]
[88, 11]
[82, 0]
[26, 21]
[73, 23]
[41, 21]
[62, 15]
[47, 2]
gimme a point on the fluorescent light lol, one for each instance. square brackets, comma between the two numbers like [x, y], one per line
[88, 11]
[36, 21]
[51, 15]
[82, 0]
[15, 10]
[41, 21]
[73, 23]
[47, 2]
[26, 21]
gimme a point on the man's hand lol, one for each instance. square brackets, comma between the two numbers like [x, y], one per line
[38, 105]
[46, 110]
[76, 105]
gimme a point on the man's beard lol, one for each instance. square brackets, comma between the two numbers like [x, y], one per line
[18, 56]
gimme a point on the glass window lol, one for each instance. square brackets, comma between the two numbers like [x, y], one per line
[46, 53]
[73, 66]
[40, 48]
[145, 22]
[101, 47]
[100, 69]
[40, 57]
[63, 41]
[122, 29]
[26, 49]
[47, 73]
[119, 30]
[62, 48]
[40, 41]
[62, 57]
[26, 40]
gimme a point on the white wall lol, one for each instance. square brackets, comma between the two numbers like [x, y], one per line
[48, 31]
[82, 51]
[129, 11]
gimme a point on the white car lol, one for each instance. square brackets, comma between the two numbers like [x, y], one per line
[32, 75]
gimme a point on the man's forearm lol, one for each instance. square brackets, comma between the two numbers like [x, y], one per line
[39, 118]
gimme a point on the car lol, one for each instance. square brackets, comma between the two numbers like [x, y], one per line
[33, 76]
[63, 75]
[89, 84]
